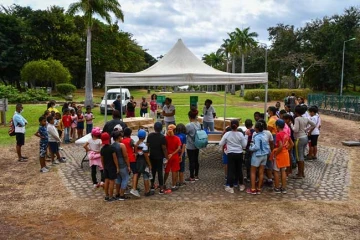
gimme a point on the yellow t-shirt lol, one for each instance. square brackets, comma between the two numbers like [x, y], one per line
[272, 125]
[53, 109]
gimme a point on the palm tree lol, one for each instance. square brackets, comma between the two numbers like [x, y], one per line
[225, 51]
[234, 51]
[103, 8]
[244, 41]
[215, 60]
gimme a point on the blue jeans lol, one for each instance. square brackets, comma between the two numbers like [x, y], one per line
[123, 178]
[67, 134]
[208, 126]
[89, 127]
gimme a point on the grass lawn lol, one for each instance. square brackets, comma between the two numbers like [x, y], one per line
[180, 100]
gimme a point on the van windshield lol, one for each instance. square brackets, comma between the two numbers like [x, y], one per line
[113, 96]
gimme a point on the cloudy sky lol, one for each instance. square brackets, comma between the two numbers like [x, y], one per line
[203, 24]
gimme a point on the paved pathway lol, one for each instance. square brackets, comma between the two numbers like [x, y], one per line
[326, 179]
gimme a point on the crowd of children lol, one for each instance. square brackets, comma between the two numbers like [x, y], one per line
[269, 150]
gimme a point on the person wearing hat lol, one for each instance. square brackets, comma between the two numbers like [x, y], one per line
[109, 126]
[280, 156]
[143, 107]
[111, 166]
[93, 147]
[157, 146]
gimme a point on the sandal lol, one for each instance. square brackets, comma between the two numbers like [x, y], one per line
[23, 157]
[22, 160]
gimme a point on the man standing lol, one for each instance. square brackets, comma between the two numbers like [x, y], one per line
[143, 107]
[116, 105]
[19, 123]
[109, 126]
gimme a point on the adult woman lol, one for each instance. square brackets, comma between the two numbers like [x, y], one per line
[153, 106]
[301, 139]
[209, 115]
[192, 151]
[235, 142]
[130, 108]
[168, 112]
[51, 106]
[143, 107]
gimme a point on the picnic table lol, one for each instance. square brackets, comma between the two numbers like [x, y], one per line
[135, 123]
[219, 122]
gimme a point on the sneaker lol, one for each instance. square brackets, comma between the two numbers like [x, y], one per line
[183, 184]
[44, 170]
[56, 161]
[247, 180]
[148, 194]
[229, 189]
[251, 191]
[60, 148]
[106, 199]
[167, 191]
[135, 192]
[152, 189]
[190, 180]
[174, 188]
[197, 178]
[236, 186]
[277, 190]
[283, 190]
[61, 160]
[242, 188]
[258, 191]
[161, 192]
[123, 198]
[48, 167]
[95, 186]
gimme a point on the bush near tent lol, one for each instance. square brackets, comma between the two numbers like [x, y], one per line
[30, 95]
[275, 94]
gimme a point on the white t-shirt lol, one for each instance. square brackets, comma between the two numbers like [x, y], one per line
[169, 109]
[268, 136]
[94, 145]
[235, 142]
[208, 114]
[316, 120]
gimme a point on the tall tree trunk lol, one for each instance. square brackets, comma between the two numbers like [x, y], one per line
[242, 91]
[233, 71]
[88, 74]
[226, 89]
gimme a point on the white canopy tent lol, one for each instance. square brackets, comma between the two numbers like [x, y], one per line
[181, 67]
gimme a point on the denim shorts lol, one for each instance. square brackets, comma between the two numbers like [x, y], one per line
[182, 164]
[269, 164]
[123, 178]
[225, 158]
[256, 161]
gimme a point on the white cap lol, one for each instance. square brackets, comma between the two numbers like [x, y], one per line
[118, 127]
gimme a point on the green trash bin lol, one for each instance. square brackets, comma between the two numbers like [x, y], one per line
[194, 102]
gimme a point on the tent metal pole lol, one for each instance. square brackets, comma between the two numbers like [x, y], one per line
[105, 103]
[224, 107]
[266, 99]
[121, 115]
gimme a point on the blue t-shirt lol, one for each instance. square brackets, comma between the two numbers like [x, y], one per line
[182, 137]
[43, 134]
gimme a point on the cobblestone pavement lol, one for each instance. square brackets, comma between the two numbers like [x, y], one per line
[326, 179]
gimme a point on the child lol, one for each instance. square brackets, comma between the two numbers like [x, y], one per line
[278, 106]
[235, 142]
[66, 119]
[89, 117]
[180, 132]
[224, 156]
[59, 124]
[124, 165]
[43, 135]
[54, 139]
[174, 146]
[111, 166]
[257, 116]
[260, 148]
[249, 133]
[73, 124]
[129, 145]
[80, 124]
[314, 132]
[286, 128]
[143, 164]
[93, 147]
[281, 156]
[46, 113]
[272, 119]
[288, 110]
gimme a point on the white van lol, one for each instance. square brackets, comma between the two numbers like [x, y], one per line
[111, 97]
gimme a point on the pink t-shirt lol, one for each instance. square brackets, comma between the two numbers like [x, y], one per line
[287, 130]
[153, 105]
[74, 121]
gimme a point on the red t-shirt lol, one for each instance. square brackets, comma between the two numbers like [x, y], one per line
[172, 143]
[284, 138]
[66, 119]
[129, 148]
[153, 105]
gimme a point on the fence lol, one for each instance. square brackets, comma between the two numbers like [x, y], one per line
[347, 104]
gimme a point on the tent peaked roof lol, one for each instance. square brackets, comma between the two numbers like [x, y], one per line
[181, 67]
[180, 60]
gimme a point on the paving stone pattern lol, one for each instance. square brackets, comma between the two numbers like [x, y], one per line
[326, 179]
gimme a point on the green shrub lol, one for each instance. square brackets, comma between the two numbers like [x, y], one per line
[9, 92]
[30, 95]
[275, 94]
[65, 88]
[37, 95]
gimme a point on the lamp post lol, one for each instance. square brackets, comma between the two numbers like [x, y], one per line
[342, 68]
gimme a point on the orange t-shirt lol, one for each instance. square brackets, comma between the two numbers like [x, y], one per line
[271, 123]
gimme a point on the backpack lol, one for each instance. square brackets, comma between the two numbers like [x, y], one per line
[201, 138]
[11, 128]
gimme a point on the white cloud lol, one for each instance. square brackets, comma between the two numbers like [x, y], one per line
[203, 24]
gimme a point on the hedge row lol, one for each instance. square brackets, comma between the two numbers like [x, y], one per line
[275, 94]
[30, 95]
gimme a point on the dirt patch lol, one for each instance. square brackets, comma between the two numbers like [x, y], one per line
[38, 206]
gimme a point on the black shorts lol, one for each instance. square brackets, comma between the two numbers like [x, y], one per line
[54, 147]
[60, 133]
[313, 140]
[110, 173]
[20, 139]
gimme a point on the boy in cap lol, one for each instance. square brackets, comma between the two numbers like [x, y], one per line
[111, 166]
